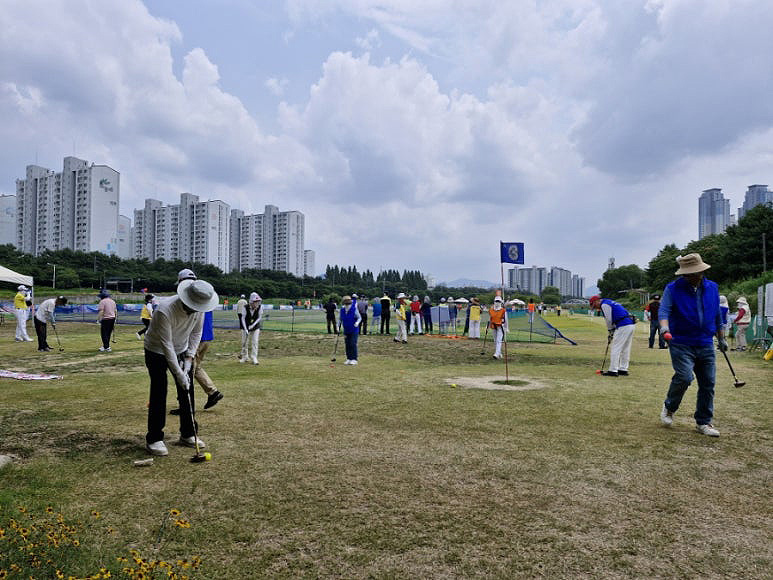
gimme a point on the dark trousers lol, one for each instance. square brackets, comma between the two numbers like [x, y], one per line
[331, 322]
[385, 321]
[364, 324]
[144, 329]
[106, 326]
[350, 340]
[157, 367]
[655, 327]
[40, 330]
[428, 323]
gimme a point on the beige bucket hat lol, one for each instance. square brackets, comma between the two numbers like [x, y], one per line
[691, 264]
[197, 295]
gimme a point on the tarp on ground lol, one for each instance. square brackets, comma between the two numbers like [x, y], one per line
[7, 275]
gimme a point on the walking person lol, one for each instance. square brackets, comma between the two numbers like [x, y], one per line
[475, 312]
[350, 323]
[106, 314]
[442, 316]
[362, 308]
[401, 312]
[375, 322]
[386, 312]
[426, 314]
[146, 314]
[21, 306]
[652, 313]
[330, 316]
[724, 311]
[207, 336]
[43, 315]
[620, 326]
[743, 317]
[171, 343]
[416, 316]
[497, 316]
[689, 320]
[251, 330]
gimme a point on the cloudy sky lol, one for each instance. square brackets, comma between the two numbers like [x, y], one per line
[414, 134]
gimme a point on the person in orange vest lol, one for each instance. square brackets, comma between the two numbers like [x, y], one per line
[531, 308]
[498, 323]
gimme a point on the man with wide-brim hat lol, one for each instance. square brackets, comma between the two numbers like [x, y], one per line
[401, 311]
[171, 343]
[689, 318]
[743, 317]
[21, 307]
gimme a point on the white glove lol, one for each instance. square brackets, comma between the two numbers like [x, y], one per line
[187, 364]
[184, 382]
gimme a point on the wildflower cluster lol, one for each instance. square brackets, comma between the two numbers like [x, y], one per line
[46, 546]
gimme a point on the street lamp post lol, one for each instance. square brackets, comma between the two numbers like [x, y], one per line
[53, 283]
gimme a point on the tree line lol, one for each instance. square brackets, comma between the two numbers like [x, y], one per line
[736, 256]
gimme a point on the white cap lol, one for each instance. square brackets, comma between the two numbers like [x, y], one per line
[497, 299]
[401, 295]
[355, 296]
[254, 297]
[22, 288]
[185, 274]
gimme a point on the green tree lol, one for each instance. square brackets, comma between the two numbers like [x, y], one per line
[618, 280]
[551, 295]
[743, 246]
[660, 270]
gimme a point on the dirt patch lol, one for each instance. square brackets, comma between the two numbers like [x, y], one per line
[496, 383]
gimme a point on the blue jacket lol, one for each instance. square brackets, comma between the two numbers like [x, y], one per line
[376, 309]
[207, 331]
[688, 325]
[348, 319]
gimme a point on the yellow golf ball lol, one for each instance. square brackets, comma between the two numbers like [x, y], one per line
[453, 384]
[207, 456]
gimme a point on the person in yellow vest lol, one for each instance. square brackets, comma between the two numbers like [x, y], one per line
[21, 306]
[498, 324]
[474, 319]
[146, 315]
[400, 310]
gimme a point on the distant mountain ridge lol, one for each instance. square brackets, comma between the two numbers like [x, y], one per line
[466, 282]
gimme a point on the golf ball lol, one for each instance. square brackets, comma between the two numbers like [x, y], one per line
[207, 456]
[453, 384]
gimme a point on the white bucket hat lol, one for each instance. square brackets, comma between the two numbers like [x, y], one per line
[198, 295]
[691, 264]
[401, 295]
[741, 300]
[22, 288]
[255, 297]
[497, 299]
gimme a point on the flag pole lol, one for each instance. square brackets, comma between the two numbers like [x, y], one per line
[504, 334]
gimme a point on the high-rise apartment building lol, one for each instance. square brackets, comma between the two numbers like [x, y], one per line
[561, 279]
[308, 263]
[75, 209]
[713, 213]
[578, 286]
[7, 219]
[124, 237]
[755, 195]
[272, 240]
[532, 280]
[191, 231]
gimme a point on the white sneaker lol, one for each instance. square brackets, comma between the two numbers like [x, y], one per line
[354, 362]
[255, 361]
[191, 442]
[666, 416]
[103, 349]
[707, 430]
[27, 339]
[157, 448]
[348, 362]
[242, 359]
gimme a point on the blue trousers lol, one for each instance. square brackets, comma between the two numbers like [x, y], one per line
[350, 340]
[687, 360]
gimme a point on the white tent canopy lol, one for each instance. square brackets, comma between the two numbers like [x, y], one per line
[7, 275]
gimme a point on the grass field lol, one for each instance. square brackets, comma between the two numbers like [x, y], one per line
[386, 470]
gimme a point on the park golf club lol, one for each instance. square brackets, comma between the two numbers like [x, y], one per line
[485, 336]
[335, 350]
[604, 360]
[737, 384]
[199, 457]
[59, 342]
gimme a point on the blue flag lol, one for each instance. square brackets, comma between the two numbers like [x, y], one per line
[512, 252]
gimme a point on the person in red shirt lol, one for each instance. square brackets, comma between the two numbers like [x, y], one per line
[416, 316]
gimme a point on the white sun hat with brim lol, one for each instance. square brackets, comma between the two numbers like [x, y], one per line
[401, 295]
[255, 297]
[462, 301]
[22, 288]
[497, 299]
[198, 295]
[742, 300]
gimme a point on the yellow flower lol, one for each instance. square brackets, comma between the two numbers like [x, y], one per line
[59, 574]
[96, 514]
[49, 510]
[22, 509]
[174, 512]
[182, 523]
[76, 543]
[3, 573]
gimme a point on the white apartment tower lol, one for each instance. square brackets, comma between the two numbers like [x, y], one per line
[272, 240]
[191, 231]
[7, 219]
[308, 263]
[755, 195]
[561, 279]
[75, 209]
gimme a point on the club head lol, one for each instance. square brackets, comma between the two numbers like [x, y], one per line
[598, 372]
[198, 458]
[333, 359]
[738, 384]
